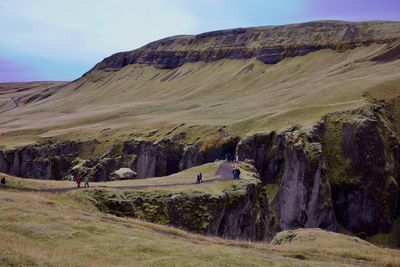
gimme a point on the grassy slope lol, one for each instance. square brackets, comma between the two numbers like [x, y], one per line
[244, 95]
[66, 230]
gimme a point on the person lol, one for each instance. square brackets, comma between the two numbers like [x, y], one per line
[236, 173]
[199, 178]
[86, 180]
[72, 178]
[78, 181]
[3, 181]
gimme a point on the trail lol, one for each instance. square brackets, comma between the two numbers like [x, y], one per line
[224, 173]
[15, 103]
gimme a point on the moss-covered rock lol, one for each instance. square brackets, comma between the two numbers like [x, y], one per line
[238, 211]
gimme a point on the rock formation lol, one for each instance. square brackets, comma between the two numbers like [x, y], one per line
[267, 44]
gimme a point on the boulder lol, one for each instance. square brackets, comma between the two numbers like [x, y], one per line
[125, 173]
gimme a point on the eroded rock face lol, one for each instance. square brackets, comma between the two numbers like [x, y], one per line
[304, 197]
[191, 157]
[366, 201]
[237, 213]
[267, 44]
[46, 161]
[147, 159]
[345, 169]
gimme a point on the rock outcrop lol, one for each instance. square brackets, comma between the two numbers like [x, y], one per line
[267, 44]
[364, 174]
[237, 213]
[345, 170]
[46, 161]
[146, 158]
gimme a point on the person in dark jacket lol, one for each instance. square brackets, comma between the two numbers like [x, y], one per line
[3, 181]
[199, 178]
[237, 173]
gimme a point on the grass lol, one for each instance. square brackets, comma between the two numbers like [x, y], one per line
[67, 230]
[110, 106]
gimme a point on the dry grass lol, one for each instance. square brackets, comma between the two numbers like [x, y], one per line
[201, 97]
[66, 230]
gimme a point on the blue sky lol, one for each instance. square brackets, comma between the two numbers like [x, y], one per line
[62, 39]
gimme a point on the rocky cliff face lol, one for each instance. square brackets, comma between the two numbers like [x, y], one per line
[365, 173]
[267, 44]
[238, 213]
[293, 161]
[147, 159]
[343, 171]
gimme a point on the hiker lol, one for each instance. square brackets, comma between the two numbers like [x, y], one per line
[78, 181]
[72, 178]
[3, 181]
[86, 180]
[237, 173]
[199, 178]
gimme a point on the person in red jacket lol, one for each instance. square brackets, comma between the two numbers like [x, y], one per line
[78, 181]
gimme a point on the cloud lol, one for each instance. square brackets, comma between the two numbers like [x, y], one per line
[86, 31]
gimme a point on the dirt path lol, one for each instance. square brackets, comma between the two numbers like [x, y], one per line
[14, 100]
[224, 173]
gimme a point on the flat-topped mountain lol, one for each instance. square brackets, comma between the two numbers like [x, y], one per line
[267, 44]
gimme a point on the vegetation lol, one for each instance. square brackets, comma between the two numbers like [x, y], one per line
[68, 230]
[202, 98]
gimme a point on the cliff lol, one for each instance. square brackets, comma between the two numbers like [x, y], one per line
[267, 44]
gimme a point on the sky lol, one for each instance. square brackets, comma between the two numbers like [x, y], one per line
[62, 39]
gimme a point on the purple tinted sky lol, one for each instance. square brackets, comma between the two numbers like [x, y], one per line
[356, 10]
[60, 40]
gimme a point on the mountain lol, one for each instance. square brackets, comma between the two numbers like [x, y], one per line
[314, 107]
[224, 82]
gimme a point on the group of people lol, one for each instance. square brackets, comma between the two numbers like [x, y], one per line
[78, 181]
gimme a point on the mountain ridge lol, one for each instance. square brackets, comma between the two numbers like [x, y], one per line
[268, 44]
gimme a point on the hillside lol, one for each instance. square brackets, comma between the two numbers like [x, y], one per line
[347, 66]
